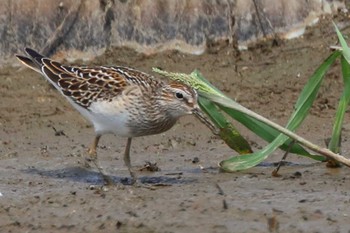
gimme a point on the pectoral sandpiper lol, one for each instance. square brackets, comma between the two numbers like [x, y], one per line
[118, 100]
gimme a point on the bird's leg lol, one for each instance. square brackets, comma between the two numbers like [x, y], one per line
[93, 158]
[106, 178]
[92, 150]
[127, 161]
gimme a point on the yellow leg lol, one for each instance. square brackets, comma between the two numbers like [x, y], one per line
[93, 158]
[92, 150]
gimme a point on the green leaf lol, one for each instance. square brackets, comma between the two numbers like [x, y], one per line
[261, 129]
[344, 45]
[302, 107]
[334, 144]
[228, 132]
[267, 133]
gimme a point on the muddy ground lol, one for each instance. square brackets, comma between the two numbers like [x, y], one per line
[45, 187]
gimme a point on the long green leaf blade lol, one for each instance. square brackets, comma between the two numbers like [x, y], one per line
[228, 132]
[302, 107]
[268, 133]
[334, 144]
[344, 45]
[263, 130]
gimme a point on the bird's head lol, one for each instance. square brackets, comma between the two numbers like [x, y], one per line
[178, 99]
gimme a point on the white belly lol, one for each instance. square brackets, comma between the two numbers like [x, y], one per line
[107, 117]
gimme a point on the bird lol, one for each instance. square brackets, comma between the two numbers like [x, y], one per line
[118, 100]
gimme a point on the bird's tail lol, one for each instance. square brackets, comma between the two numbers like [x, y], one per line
[33, 60]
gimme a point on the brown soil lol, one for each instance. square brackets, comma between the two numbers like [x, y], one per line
[45, 187]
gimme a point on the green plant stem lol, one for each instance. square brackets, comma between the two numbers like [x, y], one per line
[297, 138]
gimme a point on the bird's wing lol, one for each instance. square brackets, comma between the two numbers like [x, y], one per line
[84, 85]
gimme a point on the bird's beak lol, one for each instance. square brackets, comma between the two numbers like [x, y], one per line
[200, 115]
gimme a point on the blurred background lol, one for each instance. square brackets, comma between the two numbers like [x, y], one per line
[83, 29]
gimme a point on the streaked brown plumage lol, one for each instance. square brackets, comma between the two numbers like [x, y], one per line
[118, 100]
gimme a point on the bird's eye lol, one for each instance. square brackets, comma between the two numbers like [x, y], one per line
[179, 95]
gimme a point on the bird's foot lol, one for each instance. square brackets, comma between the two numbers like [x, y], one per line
[108, 181]
[139, 184]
